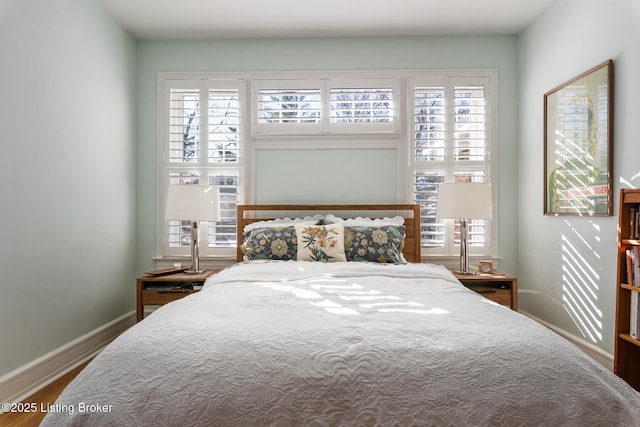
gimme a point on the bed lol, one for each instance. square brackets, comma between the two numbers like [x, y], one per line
[378, 339]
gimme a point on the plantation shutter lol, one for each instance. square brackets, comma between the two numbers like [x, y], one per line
[363, 106]
[314, 107]
[204, 147]
[450, 143]
[287, 106]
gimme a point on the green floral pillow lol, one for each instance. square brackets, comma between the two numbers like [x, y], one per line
[375, 244]
[274, 243]
[323, 243]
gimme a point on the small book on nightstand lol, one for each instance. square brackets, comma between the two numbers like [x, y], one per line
[168, 286]
[494, 274]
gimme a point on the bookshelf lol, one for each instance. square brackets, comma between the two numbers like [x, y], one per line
[626, 362]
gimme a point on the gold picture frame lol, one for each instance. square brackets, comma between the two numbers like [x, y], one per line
[578, 141]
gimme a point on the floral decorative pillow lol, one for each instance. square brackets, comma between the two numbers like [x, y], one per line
[274, 243]
[374, 244]
[323, 243]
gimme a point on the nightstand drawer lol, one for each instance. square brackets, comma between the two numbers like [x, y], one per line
[501, 296]
[499, 287]
[160, 297]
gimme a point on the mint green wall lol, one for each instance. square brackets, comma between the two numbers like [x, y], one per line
[79, 100]
[323, 174]
[567, 267]
[498, 52]
[67, 245]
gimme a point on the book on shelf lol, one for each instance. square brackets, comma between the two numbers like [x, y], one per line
[635, 255]
[634, 327]
[634, 223]
[629, 261]
[632, 256]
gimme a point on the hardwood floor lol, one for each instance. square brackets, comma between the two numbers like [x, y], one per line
[44, 397]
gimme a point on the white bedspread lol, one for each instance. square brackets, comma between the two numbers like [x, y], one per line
[343, 344]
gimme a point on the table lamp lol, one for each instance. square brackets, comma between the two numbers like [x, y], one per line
[193, 203]
[464, 201]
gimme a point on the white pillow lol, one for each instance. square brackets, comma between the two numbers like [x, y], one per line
[364, 222]
[323, 243]
[283, 222]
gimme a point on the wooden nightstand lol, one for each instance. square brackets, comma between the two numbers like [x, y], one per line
[160, 290]
[498, 287]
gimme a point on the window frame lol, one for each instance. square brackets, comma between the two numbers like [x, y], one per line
[400, 138]
[324, 125]
[203, 167]
[486, 77]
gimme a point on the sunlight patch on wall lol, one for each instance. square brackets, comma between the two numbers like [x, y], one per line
[580, 282]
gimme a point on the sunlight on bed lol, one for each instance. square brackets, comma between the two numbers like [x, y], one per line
[356, 295]
[580, 282]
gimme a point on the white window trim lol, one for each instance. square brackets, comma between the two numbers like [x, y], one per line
[391, 127]
[451, 251]
[324, 85]
[204, 169]
[398, 139]
[258, 128]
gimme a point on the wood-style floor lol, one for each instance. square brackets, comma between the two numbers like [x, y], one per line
[46, 396]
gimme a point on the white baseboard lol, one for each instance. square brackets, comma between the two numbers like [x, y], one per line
[600, 356]
[18, 385]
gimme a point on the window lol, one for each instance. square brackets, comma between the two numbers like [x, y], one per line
[289, 106]
[322, 106]
[437, 123]
[203, 145]
[363, 106]
[450, 142]
[358, 105]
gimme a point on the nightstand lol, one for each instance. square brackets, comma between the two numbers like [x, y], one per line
[498, 287]
[161, 290]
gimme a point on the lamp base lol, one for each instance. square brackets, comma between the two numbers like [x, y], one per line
[193, 271]
[465, 273]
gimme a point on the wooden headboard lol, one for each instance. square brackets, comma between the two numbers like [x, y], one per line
[411, 213]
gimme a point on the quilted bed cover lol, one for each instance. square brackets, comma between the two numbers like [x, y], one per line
[341, 344]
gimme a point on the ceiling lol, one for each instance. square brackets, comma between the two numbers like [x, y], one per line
[214, 19]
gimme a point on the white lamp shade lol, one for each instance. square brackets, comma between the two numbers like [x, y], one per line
[464, 200]
[192, 203]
